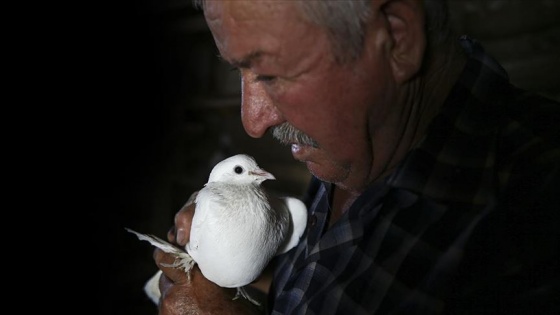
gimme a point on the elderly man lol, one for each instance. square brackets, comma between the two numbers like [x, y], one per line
[435, 181]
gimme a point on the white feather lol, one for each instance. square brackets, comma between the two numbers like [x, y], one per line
[158, 242]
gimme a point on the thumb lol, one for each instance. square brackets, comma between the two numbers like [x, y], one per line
[180, 232]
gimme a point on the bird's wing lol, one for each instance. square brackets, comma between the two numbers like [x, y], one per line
[159, 243]
[298, 222]
[206, 200]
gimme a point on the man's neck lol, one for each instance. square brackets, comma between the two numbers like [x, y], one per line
[426, 95]
[340, 203]
[441, 73]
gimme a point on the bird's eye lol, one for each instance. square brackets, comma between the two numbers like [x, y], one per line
[238, 169]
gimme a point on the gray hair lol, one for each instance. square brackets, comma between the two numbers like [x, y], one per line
[345, 22]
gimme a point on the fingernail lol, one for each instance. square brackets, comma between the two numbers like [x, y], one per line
[171, 234]
[181, 237]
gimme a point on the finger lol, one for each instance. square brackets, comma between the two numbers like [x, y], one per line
[183, 221]
[184, 218]
[164, 284]
[171, 234]
[166, 262]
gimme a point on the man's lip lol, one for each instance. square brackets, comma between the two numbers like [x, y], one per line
[300, 151]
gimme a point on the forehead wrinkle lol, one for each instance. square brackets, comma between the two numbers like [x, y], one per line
[245, 61]
[239, 16]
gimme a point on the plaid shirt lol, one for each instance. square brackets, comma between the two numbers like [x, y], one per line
[468, 223]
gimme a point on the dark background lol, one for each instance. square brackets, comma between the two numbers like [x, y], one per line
[151, 110]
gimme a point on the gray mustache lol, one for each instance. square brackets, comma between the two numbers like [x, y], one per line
[288, 134]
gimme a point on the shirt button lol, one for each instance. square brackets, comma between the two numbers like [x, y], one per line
[312, 220]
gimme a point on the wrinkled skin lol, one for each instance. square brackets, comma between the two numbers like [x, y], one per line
[287, 81]
[364, 115]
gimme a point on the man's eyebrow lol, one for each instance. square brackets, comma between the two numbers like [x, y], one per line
[244, 62]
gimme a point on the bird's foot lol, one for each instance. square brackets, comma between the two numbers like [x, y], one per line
[242, 293]
[184, 262]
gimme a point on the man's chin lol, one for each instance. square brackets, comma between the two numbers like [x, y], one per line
[310, 156]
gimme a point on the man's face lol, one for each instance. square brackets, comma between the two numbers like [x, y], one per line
[289, 75]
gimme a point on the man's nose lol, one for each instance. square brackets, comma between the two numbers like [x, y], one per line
[258, 112]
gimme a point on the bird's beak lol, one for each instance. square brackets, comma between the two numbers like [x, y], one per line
[264, 174]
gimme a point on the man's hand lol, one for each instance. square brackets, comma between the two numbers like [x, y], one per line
[181, 296]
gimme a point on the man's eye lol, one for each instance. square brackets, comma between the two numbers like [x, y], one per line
[265, 78]
[236, 70]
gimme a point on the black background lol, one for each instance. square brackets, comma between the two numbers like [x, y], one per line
[120, 88]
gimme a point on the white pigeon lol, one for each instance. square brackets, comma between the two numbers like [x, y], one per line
[236, 229]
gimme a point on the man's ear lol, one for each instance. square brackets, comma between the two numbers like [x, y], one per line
[406, 20]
